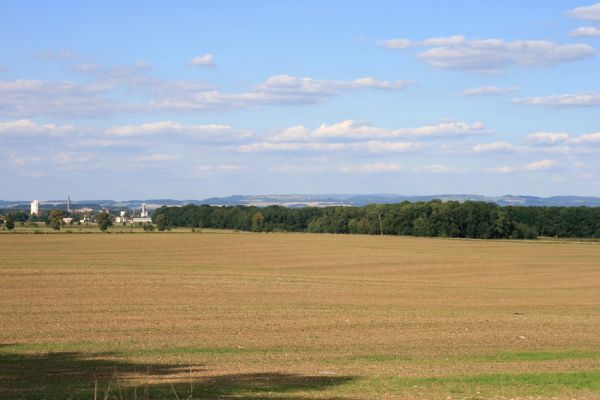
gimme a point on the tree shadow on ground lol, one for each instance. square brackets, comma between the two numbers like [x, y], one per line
[72, 375]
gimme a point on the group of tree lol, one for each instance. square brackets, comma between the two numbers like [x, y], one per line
[469, 219]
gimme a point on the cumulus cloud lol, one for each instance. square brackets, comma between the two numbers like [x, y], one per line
[585, 31]
[73, 158]
[374, 83]
[155, 158]
[212, 131]
[494, 147]
[219, 168]
[298, 169]
[32, 97]
[589, 138]
[276, 90]
[205, 60]
[350, 129]
[373, 168]
[500, 170]
[438, 169]
[562, 100]
[399, 43]
[373, 146]
[589, 13]
[495, 55]
[101, 96]
[25, 127]
[488, 91]
[547, 138]
[540, 165]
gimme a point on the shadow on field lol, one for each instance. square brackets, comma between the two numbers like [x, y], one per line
[71, 375]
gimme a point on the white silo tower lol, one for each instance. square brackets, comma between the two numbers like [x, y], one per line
[35, 207]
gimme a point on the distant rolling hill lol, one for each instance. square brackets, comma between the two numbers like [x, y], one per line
[324, 200]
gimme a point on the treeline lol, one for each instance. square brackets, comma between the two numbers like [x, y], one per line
[478, 220]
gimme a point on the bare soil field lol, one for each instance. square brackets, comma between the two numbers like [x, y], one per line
[295, 316]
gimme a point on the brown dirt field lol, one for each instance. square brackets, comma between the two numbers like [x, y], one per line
[292, 316]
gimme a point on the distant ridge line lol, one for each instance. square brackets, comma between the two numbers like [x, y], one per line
[321, 200]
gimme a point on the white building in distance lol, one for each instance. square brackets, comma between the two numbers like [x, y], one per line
[35, 207]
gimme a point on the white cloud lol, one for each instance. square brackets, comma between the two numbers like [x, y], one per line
[205, 60]
[374, 83]
[298, 169]
[438, 169]
[590, 138]
[219, 168]
[276, 90]
[488, 91]
[156, 158]
[213, 131]
[585, 31]
[563, 100]
[287, 84]
[350, 129]
[547, 137]
[21, 160]
[70, 99]
[540, 165]
[25, 127]
[372, 146]
[454, 40]
[31, 97]
[376, 146]
[374, 168]
[590, 13]
[496, 55]
[399, 43]
[73, 158]
[494, 147]
[500, 170]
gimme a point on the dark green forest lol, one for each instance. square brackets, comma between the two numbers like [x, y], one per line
[478, 220]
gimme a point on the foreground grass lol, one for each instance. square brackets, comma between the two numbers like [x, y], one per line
[291, 316]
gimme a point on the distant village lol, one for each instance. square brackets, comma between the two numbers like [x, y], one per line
[61, 214]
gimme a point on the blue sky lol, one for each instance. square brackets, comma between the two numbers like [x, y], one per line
[196, 99]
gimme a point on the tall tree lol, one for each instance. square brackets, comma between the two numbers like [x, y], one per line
[104, 220]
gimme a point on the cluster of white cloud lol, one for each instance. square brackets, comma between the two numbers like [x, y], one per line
[540, 165]
[161, 129]
[374, 167]
[358, 136]
[353, 130]
[562, 100]
[488, 91]
[71, 99]
[276, 90]
[384, 167]
[25, 127]
[371, 146]
[169, 128]
[585, 31]
[491, 55]
[210, 169]
[205, 60]
[32, 97]
[545, 142]
[588, 13]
